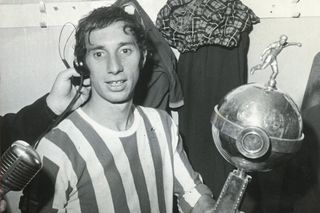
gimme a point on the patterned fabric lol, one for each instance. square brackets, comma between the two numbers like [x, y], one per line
[190, 24]
[95, 169]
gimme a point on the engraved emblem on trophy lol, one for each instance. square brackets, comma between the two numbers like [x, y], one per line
[255, 127]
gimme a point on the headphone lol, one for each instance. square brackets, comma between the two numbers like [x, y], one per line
[81, 68]
[78, 63]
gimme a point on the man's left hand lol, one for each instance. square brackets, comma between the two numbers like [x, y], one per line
[63, 92]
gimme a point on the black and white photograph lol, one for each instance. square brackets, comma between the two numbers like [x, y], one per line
[160, 106]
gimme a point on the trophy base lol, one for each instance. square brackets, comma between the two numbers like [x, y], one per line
[232, 192]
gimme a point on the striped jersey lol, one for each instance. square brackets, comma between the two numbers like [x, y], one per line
[95, 169]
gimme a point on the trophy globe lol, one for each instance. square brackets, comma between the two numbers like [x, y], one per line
[255, 128]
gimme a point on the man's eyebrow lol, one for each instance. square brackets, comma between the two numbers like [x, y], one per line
[127, 43]
[101, 47]
[93, 47]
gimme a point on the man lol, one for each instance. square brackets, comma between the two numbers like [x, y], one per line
[110, 155]
[302, 183]
[31, 121]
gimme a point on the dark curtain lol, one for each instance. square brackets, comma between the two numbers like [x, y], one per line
[207, 75]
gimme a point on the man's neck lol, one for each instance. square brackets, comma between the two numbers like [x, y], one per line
[118, 117]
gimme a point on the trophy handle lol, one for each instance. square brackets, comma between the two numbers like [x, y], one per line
[232, 192]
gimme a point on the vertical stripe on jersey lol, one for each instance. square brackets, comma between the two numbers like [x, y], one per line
[95, 169]
[106, 159]
[168, 129]
[131, 149]
[145, 155]
[185, 176]
[66, 175]
[49, 186]
[75, 159]
[156, 155]
[189, 176]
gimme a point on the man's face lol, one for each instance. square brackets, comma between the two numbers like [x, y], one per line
[113, 60]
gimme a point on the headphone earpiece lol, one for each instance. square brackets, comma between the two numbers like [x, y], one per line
[81, 68]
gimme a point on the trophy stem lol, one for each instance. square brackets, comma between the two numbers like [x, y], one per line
[232, 192]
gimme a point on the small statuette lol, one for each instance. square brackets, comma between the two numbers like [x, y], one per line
[269, 57]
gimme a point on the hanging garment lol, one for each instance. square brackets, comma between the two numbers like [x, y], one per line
[207, 75]
[158, 84]
[190, 24]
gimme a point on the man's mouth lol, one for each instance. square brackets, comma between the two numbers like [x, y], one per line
[116, 83]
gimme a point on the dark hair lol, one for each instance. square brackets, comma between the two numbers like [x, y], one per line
[103, 17]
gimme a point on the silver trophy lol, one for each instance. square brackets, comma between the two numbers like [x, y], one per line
[254, 127]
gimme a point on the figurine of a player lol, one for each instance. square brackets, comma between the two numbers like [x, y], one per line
[269, 57]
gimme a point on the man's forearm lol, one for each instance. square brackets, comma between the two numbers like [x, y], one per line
[27, 124]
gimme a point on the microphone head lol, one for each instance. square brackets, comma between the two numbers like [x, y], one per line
[19, 164]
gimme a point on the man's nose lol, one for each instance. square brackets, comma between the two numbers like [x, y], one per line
[115, 64]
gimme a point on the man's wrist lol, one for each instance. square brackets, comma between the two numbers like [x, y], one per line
[52, 105]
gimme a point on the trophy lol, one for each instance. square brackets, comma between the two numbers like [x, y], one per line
[255, 127]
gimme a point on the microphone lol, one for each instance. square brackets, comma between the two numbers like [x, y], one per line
[19, 164]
